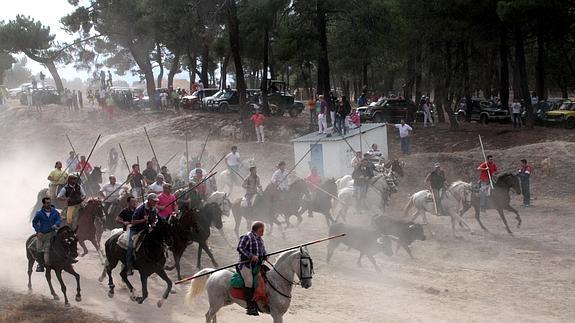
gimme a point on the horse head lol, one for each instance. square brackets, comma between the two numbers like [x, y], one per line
[304, 269]
[96, 174]
[214, 214]
[397, 166]
[163, 233]
[509, 181]
[226, 205]
[68, 238]
[330, 186]
[94, 207]
[299, 186]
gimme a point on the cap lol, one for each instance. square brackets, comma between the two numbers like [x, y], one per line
[198, 171]
[152, 196]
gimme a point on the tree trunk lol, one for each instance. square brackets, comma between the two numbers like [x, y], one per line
[264, 83]
[160, 65]
[466, 79]
[408, 87]
[418, 72]
[389, 80]
[522, 71]
[448, 72]
[235, 47]
[540, 73]
[364, 82]
[174, 69]
[504, 66]
[224, 72]
[204, 74]
[323, 85]
[54, 72]
[143, 61]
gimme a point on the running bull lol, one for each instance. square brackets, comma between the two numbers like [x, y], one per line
[405, 233]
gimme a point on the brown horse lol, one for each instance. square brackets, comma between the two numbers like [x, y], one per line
[90, 225]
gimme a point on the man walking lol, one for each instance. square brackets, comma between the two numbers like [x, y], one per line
[487, 171]
[252, 252]
[404, 134]
[524, 174]
[258, 119]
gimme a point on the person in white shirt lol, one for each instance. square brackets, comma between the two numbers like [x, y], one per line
[374, 151]
[193, 172]
[516, 113]
[233, 163]
[534, 99]
[404, 133]
[158, 186]
[427, 113]
[279, 177]
[110, 192]
[72, 161]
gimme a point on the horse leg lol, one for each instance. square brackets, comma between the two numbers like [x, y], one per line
[199, 262]
[85, 250]
[332, 244]
[96, 245]
[72, 272]
[204, 246]
[30, 266]
[328, 219]
[477, 216]
[502, 216]
[62, 286]
[359, 259]
[49, 280]
[223, 234]
[238, 221]
[370, 257]
[165, 277]
[144, 280]
[124, 275]
[517, 217]
[177, 258]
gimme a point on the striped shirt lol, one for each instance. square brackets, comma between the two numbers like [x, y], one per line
[250, 245]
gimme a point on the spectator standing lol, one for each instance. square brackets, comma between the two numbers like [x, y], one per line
[258, 119]
[343, 110]
[362, 100]
[534, 99]
[427, 113]
[524, 174]
[516, 113]
[404, 134]
[80, 99]
[332, 107]
[312, 111]
[321, 117]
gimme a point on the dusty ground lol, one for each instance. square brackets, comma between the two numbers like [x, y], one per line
[485, 277]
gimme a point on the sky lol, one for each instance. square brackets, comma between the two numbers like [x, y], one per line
[49, 13]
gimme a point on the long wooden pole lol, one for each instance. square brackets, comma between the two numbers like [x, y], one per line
[152, 146]
[171, 158]
[89, 155]
[125, 160]
[187, 161]
[267, 255]
[204, 146]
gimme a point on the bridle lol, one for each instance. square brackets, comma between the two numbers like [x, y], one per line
[293, 282]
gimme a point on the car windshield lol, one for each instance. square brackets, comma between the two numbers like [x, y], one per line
[566, 106]
[227, 95]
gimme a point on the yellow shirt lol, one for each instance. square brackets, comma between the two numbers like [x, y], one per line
[59, 176]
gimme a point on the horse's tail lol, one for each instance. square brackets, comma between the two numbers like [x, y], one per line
[197, 286]
[410, 204]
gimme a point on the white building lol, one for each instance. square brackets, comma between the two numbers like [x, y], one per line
[332, 155]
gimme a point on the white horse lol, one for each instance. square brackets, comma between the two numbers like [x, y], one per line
[227, 179]
[452, 201]
[222, 199]
[343, 182]
[378, 194]
[279, 283]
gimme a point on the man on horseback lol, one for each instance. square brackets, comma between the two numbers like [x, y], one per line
[487, 171]
[233, 162]
[137, 181]
[72, 161]
[252, 185]
[167, 176]
[436, 180]
[150, 173]
[73, 194]
[125, 217]
[201, 188]
[45, 223]
[111, 193]
[84, 164]
[361, 177]
[252, 250]
[157, 186]
[146, 214]
[57, 178]
[279, 177]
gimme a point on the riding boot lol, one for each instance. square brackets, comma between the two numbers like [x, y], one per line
[40, 260]
[251, 304]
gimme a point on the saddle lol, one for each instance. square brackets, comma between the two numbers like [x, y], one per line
[260, 294]
[136, 240]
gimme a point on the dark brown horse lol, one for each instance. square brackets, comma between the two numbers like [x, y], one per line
[194, 226]
[262, 209]
[320, 201]
[90, 225]
[150, 258]
[499, 200]
[63, 249]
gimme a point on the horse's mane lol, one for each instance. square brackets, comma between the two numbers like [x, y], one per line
[456, 183]
[286, 254]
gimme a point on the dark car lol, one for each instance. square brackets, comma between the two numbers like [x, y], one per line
[540, 110]
[228, 101]
[483, 111]
[194, 100]
[388, 110]
[46, 95]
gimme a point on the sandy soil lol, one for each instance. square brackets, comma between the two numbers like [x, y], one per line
[485, 277]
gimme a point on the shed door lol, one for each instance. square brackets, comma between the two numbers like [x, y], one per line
[317, 158]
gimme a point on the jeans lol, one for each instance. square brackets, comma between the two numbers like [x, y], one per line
[129, 252]
[483, 193]
[427, 118]
[332, 117]
[322, 122]
[260, 133]
[404, 145]
[340, 124]
[525, 191]
[516, 120]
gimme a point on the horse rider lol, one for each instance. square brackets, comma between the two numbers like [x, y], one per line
[193, 172]
[167, 176]
[57, 178]
[436, 180]
[113, 160]
[252, 185]
[111, 193]
[192, 199]
[72, 161]
[486, 173]
[233, 163]
[374, 152]
[167, 205]
[84, 164]
[157, 186]
[73, 194]
[137, 181]
[125, 216]
[313, 180]
[146, 214]
[202, 187]
[150, 173]
[361, 177]
[46, 221]
[252, 252]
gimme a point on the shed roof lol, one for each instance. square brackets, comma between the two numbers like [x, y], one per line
[314, 136]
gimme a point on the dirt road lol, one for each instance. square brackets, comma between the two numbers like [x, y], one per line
[484, 277]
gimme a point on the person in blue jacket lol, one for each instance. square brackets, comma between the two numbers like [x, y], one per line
[46, 221]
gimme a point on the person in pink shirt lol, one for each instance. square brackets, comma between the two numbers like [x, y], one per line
[166, 204]
[313, 180]
[258, 119]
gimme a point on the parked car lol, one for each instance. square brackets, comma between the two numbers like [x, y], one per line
[540, 110]
[48, 95]
[564, 115]
[194, 100]
[207, 100]
[388, 110]
[280, 100]
[483, 111]
[228, 101]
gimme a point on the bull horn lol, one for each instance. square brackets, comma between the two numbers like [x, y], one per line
[411, 225]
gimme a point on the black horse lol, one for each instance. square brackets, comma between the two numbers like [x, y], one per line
[63, 249]
[149, 258]
[92, 183]
[262, 209]
[499, 199]
[320, 201]
[194, 226]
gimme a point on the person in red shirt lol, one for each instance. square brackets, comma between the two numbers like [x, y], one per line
[80, 165]
[486, 173]
[166, 205]
[354, 118]
[258, 119]
[313, 180]
[524, 174]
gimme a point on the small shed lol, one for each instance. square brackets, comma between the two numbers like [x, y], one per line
[332, 155]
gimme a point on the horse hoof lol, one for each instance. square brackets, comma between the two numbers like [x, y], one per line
[101, 279]
[173, 291]
[56, 297]
[140, 300]
[67, 304]
[160, 303]
[78, 298]
[111, 294]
